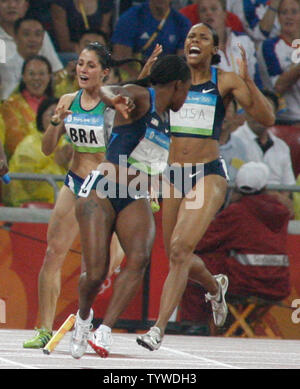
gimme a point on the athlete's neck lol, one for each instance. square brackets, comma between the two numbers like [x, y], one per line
[90, 97]
[200, 75]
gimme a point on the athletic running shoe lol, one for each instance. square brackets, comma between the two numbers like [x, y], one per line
[39, 340]
[101, 342]
[151, 340]
[219, 307]
[80, 336]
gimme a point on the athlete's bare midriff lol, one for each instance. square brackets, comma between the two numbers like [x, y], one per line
[193, 150]
[83, 163]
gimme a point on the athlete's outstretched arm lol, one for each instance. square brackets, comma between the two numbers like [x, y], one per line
[129, 100]
[246, 93]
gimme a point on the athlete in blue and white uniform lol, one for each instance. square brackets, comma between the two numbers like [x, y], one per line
[138, 146]
[194, 142]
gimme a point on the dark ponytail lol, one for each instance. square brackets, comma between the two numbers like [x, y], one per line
[216, 58]
[105, 58]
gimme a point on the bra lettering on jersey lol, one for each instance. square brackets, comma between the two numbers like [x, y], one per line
[82, 136]
[86, 132]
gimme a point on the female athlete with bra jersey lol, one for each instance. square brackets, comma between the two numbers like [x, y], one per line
[81, 116]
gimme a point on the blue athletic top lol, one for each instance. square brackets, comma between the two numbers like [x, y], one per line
[202, 114]
[144, 143]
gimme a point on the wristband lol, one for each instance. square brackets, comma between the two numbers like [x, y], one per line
[54, 123]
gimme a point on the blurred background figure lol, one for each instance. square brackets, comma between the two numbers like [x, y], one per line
[279, 62]
[247, 241]
[29, 158]
[71, 18]
[259, 18]
[192, 12]
[141, 27]
[263, 146]
[29, 36]
[10, 12]
[232, 149]
[20, 109]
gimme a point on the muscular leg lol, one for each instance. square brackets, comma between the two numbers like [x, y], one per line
[96, 221]
[190, 226]
[61, 233]
[116, 254]
[135, 227]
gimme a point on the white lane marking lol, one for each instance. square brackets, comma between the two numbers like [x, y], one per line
[207, 360]
[17, 363]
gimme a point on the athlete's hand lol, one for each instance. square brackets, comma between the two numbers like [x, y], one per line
[61, 112]
[243, 64]
[150, 61]
[123, 104]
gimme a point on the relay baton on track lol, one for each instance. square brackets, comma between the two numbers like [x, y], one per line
[60, 333]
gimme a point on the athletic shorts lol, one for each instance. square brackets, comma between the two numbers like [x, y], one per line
[73, 182]
[184, 178]
[120, 196]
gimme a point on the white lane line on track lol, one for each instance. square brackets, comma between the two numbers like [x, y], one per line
[182, 353]
[17, 363]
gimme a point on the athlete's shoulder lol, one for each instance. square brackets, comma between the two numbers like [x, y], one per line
[67, 98]
[227, 81]
[225, 76]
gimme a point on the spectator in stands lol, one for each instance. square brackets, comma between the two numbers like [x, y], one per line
[40, 9]
[213, 12]
[247, 241]
[10, 12]
[29, 36]
[193, 14]
[72, 17]
[20, 109]
[279, 62]
[263, 146]
[141, 27]
[232, 149]
[259, 18]
[29, 158]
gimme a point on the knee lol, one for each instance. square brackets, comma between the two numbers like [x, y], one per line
[94, 278]
[54, 256]
[180, 253]
[138, 261]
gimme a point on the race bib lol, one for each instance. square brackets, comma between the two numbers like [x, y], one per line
[196, 116]
[152, 153]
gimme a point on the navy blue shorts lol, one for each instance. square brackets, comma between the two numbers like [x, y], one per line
[184, 178]
[120, 196]
[73, 182]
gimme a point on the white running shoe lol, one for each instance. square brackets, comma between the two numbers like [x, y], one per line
[151, 340]
[101, 342]
[219, 308]
[80, 336]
